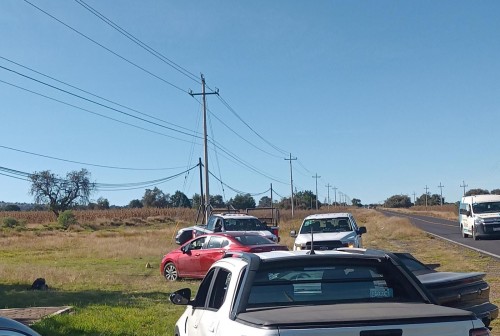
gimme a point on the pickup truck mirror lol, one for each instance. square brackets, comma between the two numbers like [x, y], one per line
[293, 234]
[361, 230]
[181, 297]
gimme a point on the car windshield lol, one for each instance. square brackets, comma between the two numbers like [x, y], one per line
[340, 224]
[248, 240]
[328, 284]
[486, 207]
[243, 224]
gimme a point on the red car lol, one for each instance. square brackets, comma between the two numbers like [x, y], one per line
[194, 258]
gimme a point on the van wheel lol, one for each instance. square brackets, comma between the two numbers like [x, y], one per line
[474, 235]
[464, 235]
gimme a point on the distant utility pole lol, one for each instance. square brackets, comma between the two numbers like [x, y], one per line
[205, 141]
[464, 186]
[426, 192]
[328, 186]
[441, 187]
[335, 199]
[340, 197]
[316, 177]
[414, 199]
[291, 178]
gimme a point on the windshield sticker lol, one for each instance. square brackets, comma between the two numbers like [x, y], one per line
[381, 292]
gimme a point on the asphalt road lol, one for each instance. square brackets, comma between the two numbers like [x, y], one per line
[450, 231]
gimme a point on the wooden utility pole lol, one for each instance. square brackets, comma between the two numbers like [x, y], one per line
[316, 177]
[464, 186]
[328, 186]
[206, 203]
[441, 187]
[291, 178]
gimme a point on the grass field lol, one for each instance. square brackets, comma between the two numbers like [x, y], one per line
[99, 268]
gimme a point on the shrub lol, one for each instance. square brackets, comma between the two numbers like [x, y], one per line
[9, 222]
[66, 218]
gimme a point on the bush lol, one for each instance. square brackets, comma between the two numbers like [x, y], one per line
[9, 222]
[66, 218]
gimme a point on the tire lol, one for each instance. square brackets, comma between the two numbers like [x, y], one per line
[464, 235]
[170, 272]
[474, 235]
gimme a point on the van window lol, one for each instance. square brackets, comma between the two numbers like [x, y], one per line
[486, 207]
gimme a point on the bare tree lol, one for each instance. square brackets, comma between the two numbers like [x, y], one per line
[61, 194]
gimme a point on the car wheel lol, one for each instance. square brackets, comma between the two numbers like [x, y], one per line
[170, 272]
[465, 235]
[474, 235]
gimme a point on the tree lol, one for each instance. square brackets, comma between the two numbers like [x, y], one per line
[61, 194]
[135, 204]
[196, 201]
[180, 200]
[102, 203]
[495, 192]
[242, 201]
[12, 207]
[264, 202]
[356, 202]
[477, 191]
[217, 201]
[305, 200]
[433, 199]
[155, 198]
[398, 201]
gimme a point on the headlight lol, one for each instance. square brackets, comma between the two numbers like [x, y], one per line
[299, 247]
[478, 221]
[350, 244]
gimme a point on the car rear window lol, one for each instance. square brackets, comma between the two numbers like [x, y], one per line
[326, 284]
[249, 240]
[244, 224]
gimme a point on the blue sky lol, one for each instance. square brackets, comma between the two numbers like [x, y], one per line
[376, 97]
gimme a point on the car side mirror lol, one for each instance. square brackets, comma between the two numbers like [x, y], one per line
[469, 213]
[181, 297]
[361, 230]
[293, 233]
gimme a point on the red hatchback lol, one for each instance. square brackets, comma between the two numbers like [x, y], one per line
[194, 258]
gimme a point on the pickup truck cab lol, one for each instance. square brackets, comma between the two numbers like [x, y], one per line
[227, 222]
[322, 293]
[328, 231]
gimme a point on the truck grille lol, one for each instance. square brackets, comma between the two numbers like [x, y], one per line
[326, 245]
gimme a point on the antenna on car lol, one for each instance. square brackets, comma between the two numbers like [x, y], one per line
[312, 242]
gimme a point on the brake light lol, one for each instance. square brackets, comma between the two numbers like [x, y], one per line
[479, 332]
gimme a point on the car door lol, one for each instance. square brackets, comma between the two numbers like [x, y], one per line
[211, 252]
[209, 324]
[189, 263]
[193, 327]
[359, 239]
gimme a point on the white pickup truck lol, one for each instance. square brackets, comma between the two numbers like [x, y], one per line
[318, 293]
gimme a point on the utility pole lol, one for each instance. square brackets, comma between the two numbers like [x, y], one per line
[335, 195]
[328, 186]
[464, 186]
[414, 199]
[316, 177]
[291, 178]
[441, 187]
[340, 196]
[205, 141]
[426, 192]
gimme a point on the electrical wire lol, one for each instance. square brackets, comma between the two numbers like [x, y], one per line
[107, 49]
[93, 101]
[141, 44]
[92, 94]
[236, 190]
[82, 163]
[92, 112]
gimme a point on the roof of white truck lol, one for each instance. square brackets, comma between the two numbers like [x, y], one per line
[329, 215]
[481, 198]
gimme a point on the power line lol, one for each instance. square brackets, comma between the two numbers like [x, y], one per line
[93, 101]
[106, 48]
[92, 94]
[236, 190]
[83, 163]
[141, 44]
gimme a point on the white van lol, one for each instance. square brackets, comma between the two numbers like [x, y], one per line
[479, 216]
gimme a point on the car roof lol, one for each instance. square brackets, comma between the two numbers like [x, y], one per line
[7, 323]
[233, 215]
[481, 198]
[231, 234]
[329, 215]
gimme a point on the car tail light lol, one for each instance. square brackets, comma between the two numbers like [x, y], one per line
[479, 332]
